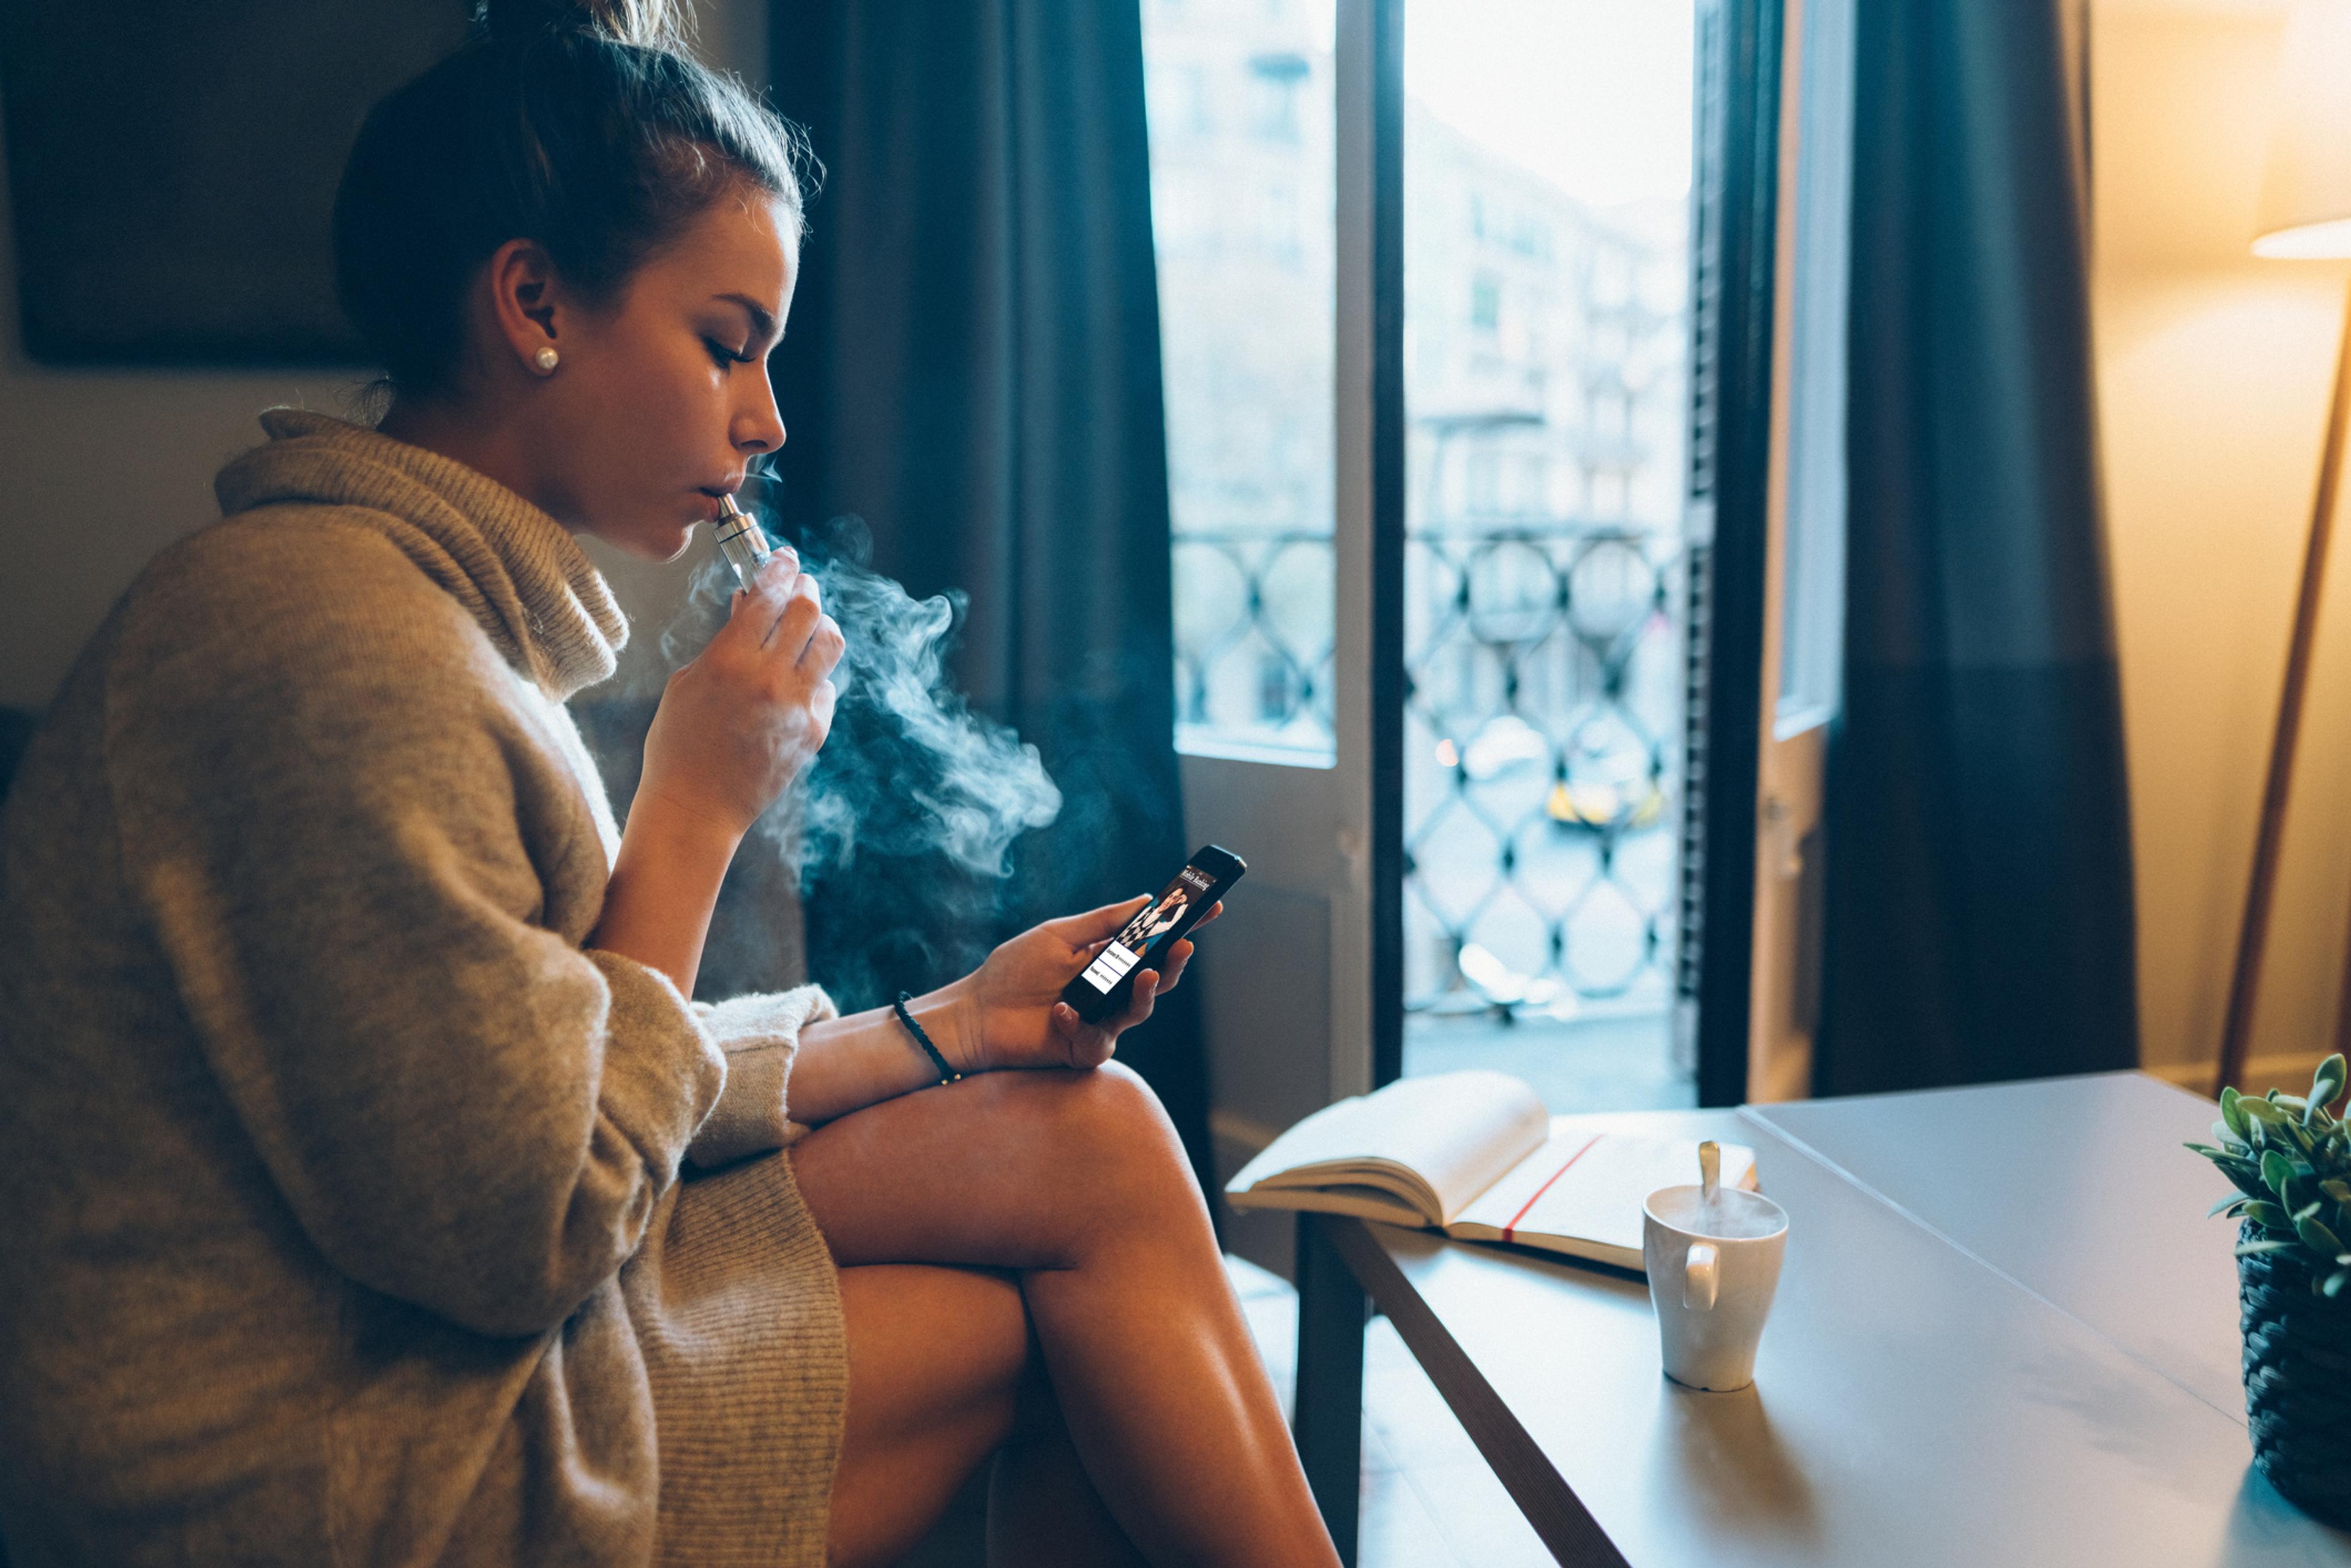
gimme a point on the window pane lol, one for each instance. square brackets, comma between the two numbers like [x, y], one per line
[1242, 190]
[1547, 166]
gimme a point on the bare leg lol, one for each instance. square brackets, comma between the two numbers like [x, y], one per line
[1076, 1183]
[1041, 1505]
[943, 1369]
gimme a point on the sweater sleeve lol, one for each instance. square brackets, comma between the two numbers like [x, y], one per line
[760, 1035]
[344, 832]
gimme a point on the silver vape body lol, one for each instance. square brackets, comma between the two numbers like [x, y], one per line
[742, 541]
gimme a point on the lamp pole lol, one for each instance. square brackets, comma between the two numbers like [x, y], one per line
[2253, 933]
[2306, 214]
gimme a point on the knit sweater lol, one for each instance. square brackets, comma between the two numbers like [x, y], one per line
[352, 1211]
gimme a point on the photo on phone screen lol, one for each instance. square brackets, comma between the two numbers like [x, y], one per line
[1104, 986]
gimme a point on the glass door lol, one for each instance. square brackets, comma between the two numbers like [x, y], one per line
[1548, 157]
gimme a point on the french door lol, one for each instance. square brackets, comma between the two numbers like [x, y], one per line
[1292, 443]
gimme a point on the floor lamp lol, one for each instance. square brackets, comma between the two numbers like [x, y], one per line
[2306, 214]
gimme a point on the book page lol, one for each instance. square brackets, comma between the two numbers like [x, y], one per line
[1588, 1186]
[1457, 1131]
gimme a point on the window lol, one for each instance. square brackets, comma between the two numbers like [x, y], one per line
[1273, 96]
[1176, 99]
[1241, 123]
[1486, 302]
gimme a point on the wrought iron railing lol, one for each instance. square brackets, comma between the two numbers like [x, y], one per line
[1542, 739]
[1253, 639]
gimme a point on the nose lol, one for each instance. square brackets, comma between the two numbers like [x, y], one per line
[759, 425]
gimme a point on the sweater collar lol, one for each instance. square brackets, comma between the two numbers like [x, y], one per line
[517, 570]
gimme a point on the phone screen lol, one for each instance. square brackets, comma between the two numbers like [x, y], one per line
[1157, 927]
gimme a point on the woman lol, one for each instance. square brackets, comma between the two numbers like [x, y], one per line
[375, 1194]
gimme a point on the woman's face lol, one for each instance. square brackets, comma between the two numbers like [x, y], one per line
[662, 400]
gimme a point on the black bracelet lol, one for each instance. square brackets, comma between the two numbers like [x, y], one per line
[946, 1074]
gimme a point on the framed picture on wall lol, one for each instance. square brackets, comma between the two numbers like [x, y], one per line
[171, 170]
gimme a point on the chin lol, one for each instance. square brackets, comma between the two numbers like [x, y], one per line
[660, 542]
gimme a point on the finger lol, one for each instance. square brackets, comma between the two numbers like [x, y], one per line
[1178, 956]
[1138, 1005]
[803, 609]
[753, 612]
[1096, 924]
[825, 647]
[1213, 910]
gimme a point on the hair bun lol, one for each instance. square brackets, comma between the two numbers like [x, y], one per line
[648, 24]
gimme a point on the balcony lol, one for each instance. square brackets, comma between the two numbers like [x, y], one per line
[1542, 773]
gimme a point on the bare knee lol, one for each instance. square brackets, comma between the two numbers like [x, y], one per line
[1112, 1145]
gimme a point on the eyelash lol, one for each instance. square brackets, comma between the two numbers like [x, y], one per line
[725, 355]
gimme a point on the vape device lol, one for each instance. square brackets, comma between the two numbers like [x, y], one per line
[1105, 985]
[741, 540]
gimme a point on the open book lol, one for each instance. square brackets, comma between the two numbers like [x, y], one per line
[1475, 1155]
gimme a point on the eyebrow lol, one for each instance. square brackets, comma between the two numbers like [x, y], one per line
[762, 324]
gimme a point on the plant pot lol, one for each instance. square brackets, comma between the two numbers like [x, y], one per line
[2297, 1382]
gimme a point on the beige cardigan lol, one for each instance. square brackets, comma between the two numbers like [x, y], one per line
[341, 1218]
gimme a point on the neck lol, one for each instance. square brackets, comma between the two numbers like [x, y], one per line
[486, 444]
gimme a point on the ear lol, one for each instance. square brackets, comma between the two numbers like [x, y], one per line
[523, 300]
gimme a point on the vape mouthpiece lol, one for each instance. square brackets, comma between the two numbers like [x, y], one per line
[741, 540]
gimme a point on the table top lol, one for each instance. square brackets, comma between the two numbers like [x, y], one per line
[1940, 1381]
[2076, 1189]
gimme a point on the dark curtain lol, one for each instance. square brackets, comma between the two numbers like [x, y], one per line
[972, 368]
[1979, 899]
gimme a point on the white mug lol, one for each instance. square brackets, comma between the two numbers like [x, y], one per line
[1712, 1271]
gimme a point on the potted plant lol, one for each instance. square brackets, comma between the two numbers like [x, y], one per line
[2290, 1159]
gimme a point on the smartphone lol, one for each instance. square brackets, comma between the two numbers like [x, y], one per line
[1104, 986]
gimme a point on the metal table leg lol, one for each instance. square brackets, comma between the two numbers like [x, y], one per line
[1329, 1410]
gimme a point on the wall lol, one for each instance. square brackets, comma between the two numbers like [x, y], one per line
[104, 467]
[2214, 368]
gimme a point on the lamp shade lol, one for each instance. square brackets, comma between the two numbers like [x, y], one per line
[2306, 193]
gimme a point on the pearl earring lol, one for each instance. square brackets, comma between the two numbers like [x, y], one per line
[545, 359]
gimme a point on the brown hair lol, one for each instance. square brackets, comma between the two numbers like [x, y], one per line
[580, 124]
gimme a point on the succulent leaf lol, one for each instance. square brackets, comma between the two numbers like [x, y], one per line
[2226, 1206]
[2232, 1113]
[2264, 1244]
[2246, 1175]
[2327, 1082]
[2261, 1110]
[2267, 1215]
[2276, 1171]
[2316, 1236]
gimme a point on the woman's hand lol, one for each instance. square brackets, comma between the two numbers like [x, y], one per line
[737, 724]
[1010, 1011]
